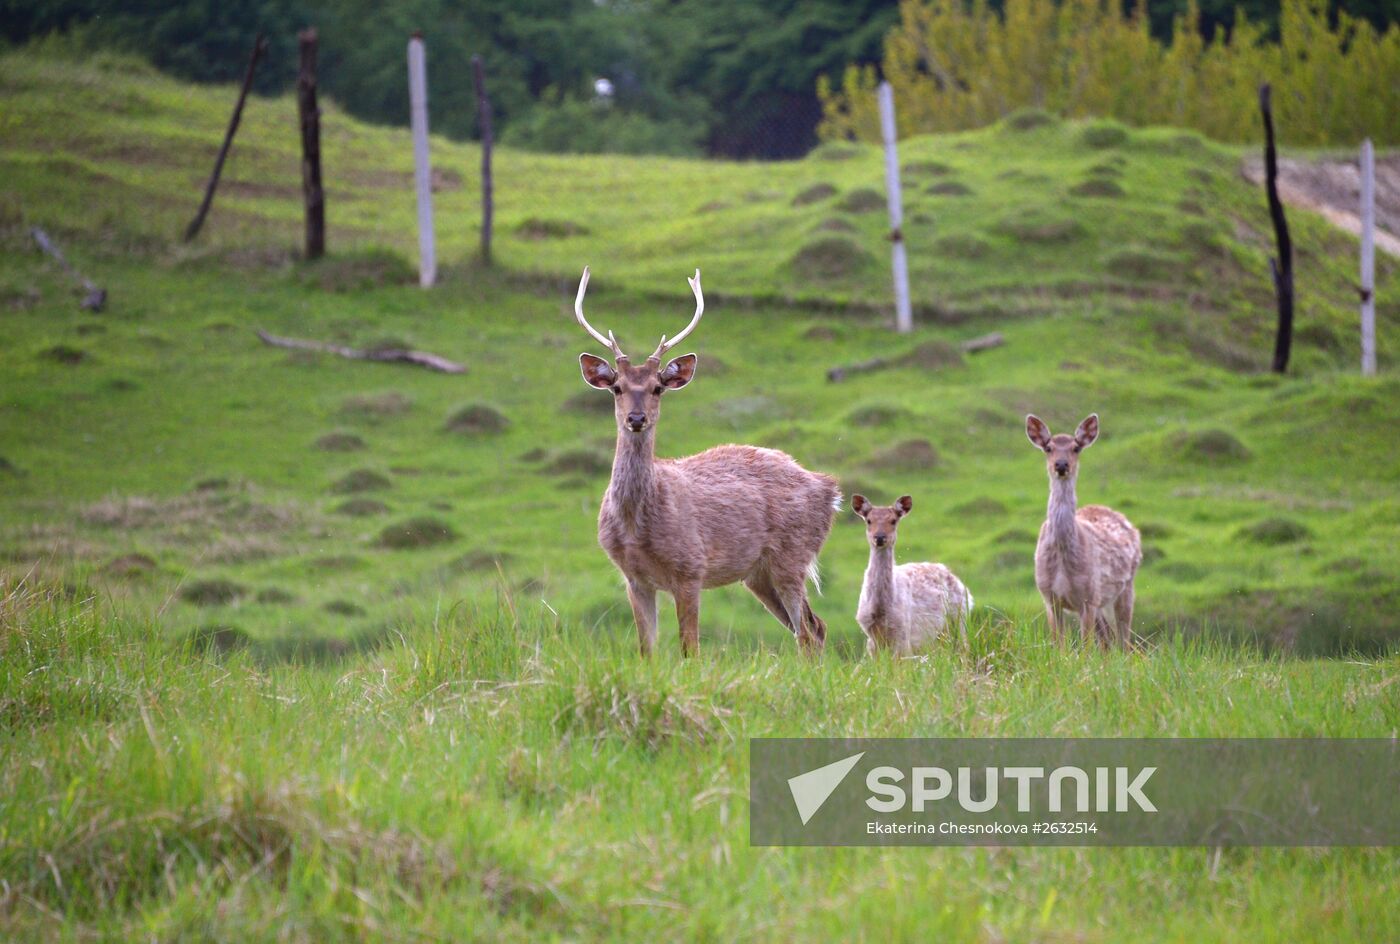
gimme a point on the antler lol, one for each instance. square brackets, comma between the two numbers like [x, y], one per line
[610, 341]
[666, 345]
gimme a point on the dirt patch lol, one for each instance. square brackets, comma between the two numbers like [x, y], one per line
[1211, 446]
[130, 566]
[538, 228]
[215, 591]
[1138, 265]
[360, 480]
[587, 462]
[340, 442]
[821, 332]
[909, 455]
[714, 206]
[814, 194]
[478, 419]
[361, 508]
[862, 200]
[1333, 188]
[590, 401]
[1098, 187]
[927, 169]
[1038, 229]
[1104, 135]
[218, 638]
[376, 405]
[1028, 119]
[831, 257]
[416, 533]
[835, 225]
[950, 188]
[64, 354]
[357, 271]
[962, 246]
[877, 414]
[933, 355]
[1273, 532]
[981, 507]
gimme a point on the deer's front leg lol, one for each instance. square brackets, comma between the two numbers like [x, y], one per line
[688, 616]
[643, 600]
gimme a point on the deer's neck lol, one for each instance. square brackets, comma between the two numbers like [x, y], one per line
[1059, 514]
[633, 472]
[879, 583]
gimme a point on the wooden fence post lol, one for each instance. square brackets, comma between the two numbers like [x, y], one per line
[1368, 259]
[903, 317]
[259, 50]
[312, 193]
[483, 113]
[1281, 266]
[422, 165]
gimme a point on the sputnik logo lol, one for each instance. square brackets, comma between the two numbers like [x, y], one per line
[811, 790]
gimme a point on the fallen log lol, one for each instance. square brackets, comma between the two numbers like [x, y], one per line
[917, 356]
[96, 295]
[391, 355]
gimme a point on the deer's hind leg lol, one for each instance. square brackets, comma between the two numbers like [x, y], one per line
[810, 631]
[1123, 616]
[761, 586]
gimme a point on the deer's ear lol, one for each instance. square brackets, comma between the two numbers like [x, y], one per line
[596, 371]
[1036, 431]
[905, 505]
[679, 372]
[860, 505]
[1088, 431]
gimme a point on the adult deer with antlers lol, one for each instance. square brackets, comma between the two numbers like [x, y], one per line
[728, 514]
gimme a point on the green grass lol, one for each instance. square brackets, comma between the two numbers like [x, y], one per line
[481, 778]
[352, 663]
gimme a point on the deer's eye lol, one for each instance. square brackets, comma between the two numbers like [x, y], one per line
[657, 391]
[1047, 450]
[1076, 449]
[615, 389]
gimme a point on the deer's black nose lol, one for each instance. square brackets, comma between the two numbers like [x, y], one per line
[879, 540]
[1061, 467]
[636, 421]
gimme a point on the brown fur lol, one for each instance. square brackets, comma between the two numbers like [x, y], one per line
[1086, 558]
[729, 514]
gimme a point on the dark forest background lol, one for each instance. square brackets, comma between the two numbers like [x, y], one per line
[730, 78]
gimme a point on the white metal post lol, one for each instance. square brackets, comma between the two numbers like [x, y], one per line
[903, 318]
[1368, 259]
[422, 168]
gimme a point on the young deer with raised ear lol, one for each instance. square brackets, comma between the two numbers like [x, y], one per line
[905, 607]
[1087, 557]
[728, 514]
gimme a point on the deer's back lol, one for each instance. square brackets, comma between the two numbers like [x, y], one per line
[1117, 544]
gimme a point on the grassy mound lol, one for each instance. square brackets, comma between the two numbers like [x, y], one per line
[814, 194]
[416, 533]
[831, 257]
[476, 420]
[360, 480]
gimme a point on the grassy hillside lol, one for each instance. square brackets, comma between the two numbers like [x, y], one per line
[191, 523]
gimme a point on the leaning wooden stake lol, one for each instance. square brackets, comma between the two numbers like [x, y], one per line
[312, 193]
[259, 50]
[903, 316]
[380, 355]
[1368, 259]
[1282, 265]
[96, 296]
[483, 114]
[422, 164]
